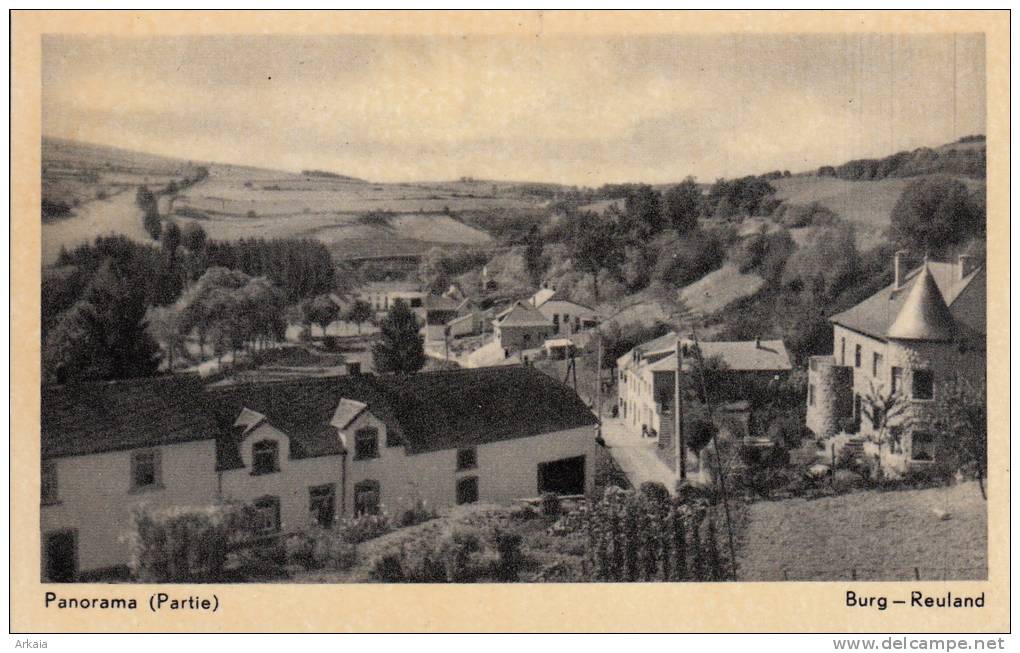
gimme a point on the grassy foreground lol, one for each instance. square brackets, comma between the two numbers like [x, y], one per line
[942, 532]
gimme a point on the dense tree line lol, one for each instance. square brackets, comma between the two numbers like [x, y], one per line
[969, 162]
[103, 302]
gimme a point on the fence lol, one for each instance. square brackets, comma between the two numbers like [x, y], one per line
[878, 574]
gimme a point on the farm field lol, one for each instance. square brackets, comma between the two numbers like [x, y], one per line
[354, 218]
[883, 535]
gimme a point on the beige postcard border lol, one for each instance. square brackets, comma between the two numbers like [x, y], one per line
[739, 607]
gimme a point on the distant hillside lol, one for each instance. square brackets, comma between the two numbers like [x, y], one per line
[965, 157]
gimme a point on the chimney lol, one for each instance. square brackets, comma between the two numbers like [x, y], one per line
[898, 270]
[965, 265]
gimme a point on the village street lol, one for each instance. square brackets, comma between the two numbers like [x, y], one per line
[636, 455]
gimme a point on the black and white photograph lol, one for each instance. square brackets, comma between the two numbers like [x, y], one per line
[506, 308]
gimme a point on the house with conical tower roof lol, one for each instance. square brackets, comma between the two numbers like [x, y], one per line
[894, 349]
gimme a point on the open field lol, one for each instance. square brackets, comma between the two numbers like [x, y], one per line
[355, 218]
[881, 535]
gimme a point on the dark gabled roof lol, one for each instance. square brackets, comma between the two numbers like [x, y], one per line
[523, 315]
[83, 419]
[302, 409]
[450, 409]
[427, 411]
[876, 314]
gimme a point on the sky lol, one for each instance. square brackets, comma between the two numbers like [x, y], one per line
[580, 110]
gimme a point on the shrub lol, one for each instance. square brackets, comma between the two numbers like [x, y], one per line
[388, 568]
[417, 514]
[318, 548]
[655, 492]
[356, 530]
[183, 544]
[786, 431]
[551, 504]
[523, 513]
[684, 260]
[251, 214]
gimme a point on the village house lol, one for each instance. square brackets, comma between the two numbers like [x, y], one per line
[567, 317]
[646, 375]
[299, 451]
[381, 295]
[923, 329]
[521, 327]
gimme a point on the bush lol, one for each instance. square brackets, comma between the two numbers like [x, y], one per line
[551, 504]
[655, 492]
[356, 530]
[180, 545]
[251, 214]
[786, 431]
[511, 560]
[682, 261]
[318, 548]
[388, 568]
[417, 514]
[523, 513]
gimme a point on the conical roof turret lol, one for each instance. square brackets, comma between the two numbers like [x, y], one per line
[924, 315]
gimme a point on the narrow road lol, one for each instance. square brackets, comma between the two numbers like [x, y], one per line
[636, 455]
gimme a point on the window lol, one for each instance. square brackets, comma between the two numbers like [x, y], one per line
[922, 446]
[366, 498]
[556, 321]
[393, 438]
[811, 394]
[467, 458]
[897, 380]
[857, 355]
[145, 473]
[322, 504]
[266, 515]
[923, 384]
[49, 483]
[876, 363]
[366, 443]
[265, 457]
[842, 351]
[416, 302]
[467, 490]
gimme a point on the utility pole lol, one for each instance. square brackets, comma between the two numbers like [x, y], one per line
[598, 377]
[678, 414]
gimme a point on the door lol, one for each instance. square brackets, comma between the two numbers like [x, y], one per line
[565, 476]
[61, 557]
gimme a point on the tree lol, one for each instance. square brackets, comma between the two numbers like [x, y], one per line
[594, 247]
[826, 264]
[889, 415]
[533, 254]
[171, 239]
[193, 237]
[164, 325]
[682, 205]
[400, 347]
[643, 211]
[321, 310]
[360, 312]
[935, 212]
[959, 420]
[103, 336]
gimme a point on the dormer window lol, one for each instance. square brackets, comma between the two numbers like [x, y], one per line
[265, 457]
[366, 443]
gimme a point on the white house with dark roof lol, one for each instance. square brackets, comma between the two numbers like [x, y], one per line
[906, 339]
[646, 374]
[301, 452]
[521, 327]
[567, 317]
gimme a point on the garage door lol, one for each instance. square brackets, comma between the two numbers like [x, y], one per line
[564, 476]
